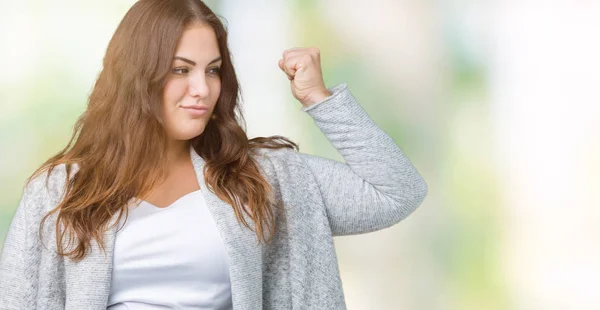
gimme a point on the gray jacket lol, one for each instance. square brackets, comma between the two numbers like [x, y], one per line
[377, 187]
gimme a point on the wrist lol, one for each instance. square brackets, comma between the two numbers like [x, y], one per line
[316, 98]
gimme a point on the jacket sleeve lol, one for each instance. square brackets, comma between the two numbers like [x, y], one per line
[377, 186]
[18, 270]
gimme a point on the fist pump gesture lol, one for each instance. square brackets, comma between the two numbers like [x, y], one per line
[303, 68]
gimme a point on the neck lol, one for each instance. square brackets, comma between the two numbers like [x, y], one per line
[178, 151]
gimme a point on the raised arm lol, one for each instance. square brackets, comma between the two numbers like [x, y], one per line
[377, 186]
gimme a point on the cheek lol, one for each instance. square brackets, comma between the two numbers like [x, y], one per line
[173, 92]
[216, 90]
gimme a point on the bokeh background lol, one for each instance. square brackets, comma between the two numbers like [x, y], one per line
[495, 102]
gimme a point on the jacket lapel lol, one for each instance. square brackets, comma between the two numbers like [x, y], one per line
[87, 282]
[244, 252]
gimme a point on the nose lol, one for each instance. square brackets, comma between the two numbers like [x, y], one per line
[198, 87]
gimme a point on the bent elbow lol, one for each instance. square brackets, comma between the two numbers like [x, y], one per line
[421, 191]
[412, 199]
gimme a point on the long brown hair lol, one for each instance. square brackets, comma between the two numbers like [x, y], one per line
[122, 125]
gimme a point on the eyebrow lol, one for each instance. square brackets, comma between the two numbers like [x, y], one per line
[193, 63]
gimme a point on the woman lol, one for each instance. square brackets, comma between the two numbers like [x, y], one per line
[161, 201]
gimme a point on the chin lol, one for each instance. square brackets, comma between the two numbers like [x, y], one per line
[189, 135]
[186, 134]
[185, 131]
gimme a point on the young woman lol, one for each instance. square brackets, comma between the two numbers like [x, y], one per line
[161, 201]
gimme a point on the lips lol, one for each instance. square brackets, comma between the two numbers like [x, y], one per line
[195, 110]
[195, 107]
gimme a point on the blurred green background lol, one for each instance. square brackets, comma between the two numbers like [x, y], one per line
[494, 102]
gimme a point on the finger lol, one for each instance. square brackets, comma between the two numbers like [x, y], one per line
[313, 52]
[284, 68]
[281, 66]
[296, 62]
[301, 62]
[305, 57]
[290, 66]
[291, 51]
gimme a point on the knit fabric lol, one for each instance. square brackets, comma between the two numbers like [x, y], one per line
[375, 188]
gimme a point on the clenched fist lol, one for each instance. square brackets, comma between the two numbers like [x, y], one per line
[303, 68]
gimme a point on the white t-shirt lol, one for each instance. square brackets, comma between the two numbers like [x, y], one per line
[170, 258]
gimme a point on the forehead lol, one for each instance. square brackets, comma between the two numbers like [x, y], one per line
[198, 42]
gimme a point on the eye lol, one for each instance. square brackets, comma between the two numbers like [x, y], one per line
[180, 70]
[215, 71]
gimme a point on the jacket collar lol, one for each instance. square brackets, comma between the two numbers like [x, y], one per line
[243, 252]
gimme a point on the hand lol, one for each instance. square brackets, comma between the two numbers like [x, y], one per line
[303, 68]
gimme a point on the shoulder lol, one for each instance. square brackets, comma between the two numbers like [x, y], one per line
[45, 190]
[276, 157]
[274, 153]
[286, 165]
[278, 164]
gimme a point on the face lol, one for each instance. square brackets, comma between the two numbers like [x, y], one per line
[193, 83]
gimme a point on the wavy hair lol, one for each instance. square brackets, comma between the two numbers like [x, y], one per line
[122, 124]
